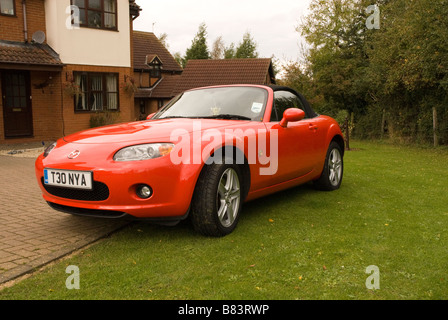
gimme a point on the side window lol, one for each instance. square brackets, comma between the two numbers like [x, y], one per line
[284, 100]
[7, 7]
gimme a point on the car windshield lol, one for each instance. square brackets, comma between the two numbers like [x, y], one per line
[239, 103]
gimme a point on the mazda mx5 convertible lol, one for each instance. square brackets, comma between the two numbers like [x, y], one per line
[201, 156]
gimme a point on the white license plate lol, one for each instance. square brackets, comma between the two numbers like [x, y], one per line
[68, 179]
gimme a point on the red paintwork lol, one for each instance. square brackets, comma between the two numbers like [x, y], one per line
[301, 149]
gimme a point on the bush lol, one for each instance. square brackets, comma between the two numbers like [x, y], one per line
[103, 118]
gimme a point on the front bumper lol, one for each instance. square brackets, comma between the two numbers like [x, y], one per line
[115, 183]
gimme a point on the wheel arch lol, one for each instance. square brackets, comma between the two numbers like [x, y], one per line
[236, 154]
[340, 141]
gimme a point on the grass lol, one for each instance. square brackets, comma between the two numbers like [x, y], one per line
[391, 212]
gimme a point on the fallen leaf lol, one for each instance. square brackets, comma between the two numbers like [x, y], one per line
[324, 267]
[271, 220]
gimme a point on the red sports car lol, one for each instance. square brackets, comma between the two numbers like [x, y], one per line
[201, 156]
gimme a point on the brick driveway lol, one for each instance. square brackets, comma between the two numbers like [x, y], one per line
[32, 234]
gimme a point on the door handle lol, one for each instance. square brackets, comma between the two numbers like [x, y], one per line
[312, 127]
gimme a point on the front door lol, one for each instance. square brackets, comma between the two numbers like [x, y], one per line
[16, 99]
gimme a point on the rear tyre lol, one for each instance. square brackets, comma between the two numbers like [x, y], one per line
[217, 200]
[331, 177]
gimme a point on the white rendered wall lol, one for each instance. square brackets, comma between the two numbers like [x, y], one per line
[87, 46]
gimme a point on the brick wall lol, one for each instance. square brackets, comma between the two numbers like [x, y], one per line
[12, 27]
[46, 105]
[54, 112]
[75, 122]
[2, 129]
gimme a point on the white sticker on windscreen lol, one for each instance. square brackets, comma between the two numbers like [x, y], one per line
[256, 107]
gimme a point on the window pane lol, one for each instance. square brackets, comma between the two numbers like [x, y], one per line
[7, 7]
[95, 4]
[79, 3]
[8, 89]
[111, 88]
[96, 101]
[109, 6]
[109, 20]
[81, 100]
[112, 101]
[94, 19]
[283, 101]
[111, 83]
[9, 102]
[21, 80]
[82, 16]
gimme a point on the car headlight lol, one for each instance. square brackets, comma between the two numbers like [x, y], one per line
[49, 149]
[144, 152]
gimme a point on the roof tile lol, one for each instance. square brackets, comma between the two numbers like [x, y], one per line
[201, 73]
[27, 53]
[146, 43]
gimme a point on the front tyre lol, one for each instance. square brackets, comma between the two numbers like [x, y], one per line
[217, 200]
[331, 177]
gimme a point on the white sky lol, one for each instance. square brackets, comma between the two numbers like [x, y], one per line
[272, 24]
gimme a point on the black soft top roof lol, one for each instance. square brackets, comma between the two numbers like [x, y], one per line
[308, 110]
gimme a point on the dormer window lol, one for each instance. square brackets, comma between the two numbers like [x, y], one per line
[155, 66]
[98, 14]
[7, 7]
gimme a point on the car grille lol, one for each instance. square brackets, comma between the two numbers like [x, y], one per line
[100, 192]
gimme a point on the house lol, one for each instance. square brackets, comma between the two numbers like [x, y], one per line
[201, 73]
[62, 61]
[159, 77]
[156, 73]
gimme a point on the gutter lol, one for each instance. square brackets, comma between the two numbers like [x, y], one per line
[25, 25]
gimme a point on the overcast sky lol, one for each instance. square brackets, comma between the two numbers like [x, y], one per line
[272, 24]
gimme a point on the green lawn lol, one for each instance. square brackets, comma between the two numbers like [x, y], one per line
[391, 212]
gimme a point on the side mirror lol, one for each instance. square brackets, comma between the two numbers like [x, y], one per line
[292, 115]
[150, 116]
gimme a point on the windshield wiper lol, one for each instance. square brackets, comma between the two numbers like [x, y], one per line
[227, 117]
[173, 117]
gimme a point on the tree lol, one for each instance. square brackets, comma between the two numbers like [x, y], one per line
[218, 49]
[199, 48]
[229, 52]
[163, 38]
[247, 48]
[335, 31]
[394, 77]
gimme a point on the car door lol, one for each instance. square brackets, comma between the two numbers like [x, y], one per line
[296, 143]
